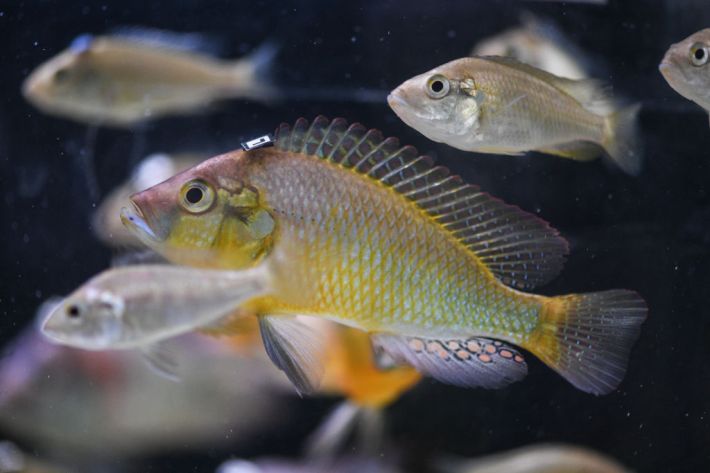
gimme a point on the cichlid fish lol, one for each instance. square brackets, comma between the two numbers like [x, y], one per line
[686, 68]
[501, 106]
[137, 307]
[356, 229]
[538, 43]
[123, 80]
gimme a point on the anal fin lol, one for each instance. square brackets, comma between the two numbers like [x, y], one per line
[295, 348]
[470, 362]
[577, 150]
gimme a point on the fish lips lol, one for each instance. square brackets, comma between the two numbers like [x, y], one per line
[52, 327]
[133, 219]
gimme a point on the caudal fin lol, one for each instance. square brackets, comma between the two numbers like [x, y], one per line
[621, 139]
[587, 337]
[253, 75]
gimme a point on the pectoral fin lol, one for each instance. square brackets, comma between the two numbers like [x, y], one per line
[295, 348]
[471, 362]
[162, 359]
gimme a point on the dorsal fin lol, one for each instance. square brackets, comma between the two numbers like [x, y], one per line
[521, 250]
[594, 95]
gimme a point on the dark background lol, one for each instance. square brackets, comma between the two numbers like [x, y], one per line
[648, 233]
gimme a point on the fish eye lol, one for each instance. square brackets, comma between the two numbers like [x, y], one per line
[699, 54]
[73, 311]
[437, 86]
[61, 74]
[197, 196]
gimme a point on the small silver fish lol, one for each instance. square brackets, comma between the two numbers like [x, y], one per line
[123, 80]
[502, 106]
[686, 68]
[137, 307]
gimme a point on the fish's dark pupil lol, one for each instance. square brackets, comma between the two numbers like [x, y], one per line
[73, 311]
[194, 195]
[699, 54]
[60, 75]
[437, 86]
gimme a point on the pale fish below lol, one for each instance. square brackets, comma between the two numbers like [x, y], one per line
[686, 68]
[359, 230]
[124, 80]
[70, 403]
[501, 106]
[137, 307]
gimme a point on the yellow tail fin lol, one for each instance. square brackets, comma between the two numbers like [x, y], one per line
[587, 337]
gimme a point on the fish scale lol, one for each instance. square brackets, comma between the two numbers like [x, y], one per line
[443, 284]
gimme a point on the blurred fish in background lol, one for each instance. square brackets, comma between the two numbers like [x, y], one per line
[538, 43]
[82, 408]
[346, 464]
[141, 74]
[686, 68]
[353, 371]
[537, 459]
[14, 460]
[153, 169]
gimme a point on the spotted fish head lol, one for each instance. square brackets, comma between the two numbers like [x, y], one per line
[206, 216]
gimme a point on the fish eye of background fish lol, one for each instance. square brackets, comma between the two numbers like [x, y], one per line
[74, 311]
[699, 54]
[438, 86]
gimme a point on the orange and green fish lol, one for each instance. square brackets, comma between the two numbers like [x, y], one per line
[356, 229]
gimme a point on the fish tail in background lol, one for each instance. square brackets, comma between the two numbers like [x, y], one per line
[587, 337]
[621, 139]
[84, 160]
[346, 418]
[253, 75]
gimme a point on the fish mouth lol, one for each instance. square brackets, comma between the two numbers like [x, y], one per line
[51, 327]
[132, 218]
[396, 101]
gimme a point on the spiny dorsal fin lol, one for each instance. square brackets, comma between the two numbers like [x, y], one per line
[594, 95]
[520, 249]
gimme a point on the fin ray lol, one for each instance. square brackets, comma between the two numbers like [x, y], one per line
[471, 362]
[587, 338]
[161, 359]
[295, 348]
[474, 218]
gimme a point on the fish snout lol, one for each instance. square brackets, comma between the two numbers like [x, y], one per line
[398, 99]
[32, 88]
[52, 327]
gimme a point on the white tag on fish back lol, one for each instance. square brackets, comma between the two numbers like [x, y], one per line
[259, 142]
